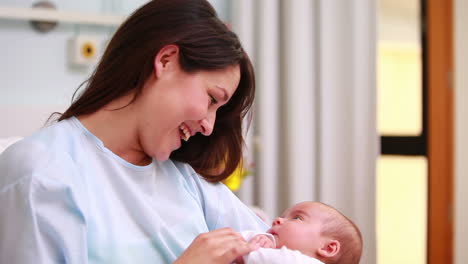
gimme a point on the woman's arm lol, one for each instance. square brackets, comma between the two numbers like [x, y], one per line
[40, 221]
[225, 216]
[40, 224]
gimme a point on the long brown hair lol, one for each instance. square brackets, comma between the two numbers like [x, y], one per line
[205, 43]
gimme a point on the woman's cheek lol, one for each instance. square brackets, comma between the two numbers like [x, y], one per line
[197, 109]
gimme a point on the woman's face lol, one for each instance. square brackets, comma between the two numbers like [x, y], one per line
[175, 105]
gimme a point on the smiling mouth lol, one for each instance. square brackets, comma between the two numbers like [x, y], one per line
[184, 132]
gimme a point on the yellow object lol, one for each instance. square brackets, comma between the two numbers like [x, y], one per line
[234, 181]
[83, 50]
[88, 50]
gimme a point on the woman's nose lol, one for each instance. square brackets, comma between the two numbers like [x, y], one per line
[207, 124]
[278, 221]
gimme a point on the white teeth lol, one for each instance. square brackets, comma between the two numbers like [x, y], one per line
[186, 135]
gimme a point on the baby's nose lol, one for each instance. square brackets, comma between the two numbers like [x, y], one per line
[278, 221]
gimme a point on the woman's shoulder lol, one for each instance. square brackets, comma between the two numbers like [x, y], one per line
[192, 178]
[31, 155]
[183, 168]
[222, 208]
[47, 140]
[194, 183]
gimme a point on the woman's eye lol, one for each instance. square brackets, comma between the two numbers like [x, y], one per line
[213, 100]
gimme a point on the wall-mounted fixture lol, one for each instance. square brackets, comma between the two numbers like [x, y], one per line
[48, 14]
[44, 25]
[84, 50]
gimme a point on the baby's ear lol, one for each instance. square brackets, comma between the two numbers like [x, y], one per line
[329, 249]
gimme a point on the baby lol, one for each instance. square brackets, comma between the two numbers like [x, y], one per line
[308, 232]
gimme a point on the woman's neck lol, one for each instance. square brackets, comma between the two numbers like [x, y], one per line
[117, 129]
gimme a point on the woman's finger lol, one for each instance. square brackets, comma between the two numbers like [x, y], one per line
[216, 247]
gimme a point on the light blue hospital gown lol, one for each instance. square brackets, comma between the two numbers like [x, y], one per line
[65, 198]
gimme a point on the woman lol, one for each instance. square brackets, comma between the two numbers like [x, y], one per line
[116, 180]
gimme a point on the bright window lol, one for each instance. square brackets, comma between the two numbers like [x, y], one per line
[402, 170]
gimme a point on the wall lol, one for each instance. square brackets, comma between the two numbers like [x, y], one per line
[36, 77]
[461, 131]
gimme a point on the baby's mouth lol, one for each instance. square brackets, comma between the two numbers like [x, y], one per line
[275, 236]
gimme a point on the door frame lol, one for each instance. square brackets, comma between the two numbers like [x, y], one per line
[439, 77]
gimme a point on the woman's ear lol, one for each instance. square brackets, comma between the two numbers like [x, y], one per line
[329, 249]
[166, 60]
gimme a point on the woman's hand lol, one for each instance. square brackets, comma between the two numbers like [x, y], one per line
[218, 247]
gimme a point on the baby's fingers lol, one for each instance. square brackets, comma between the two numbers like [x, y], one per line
[239, 250]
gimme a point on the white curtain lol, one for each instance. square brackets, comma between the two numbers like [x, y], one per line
[461, 131]
[314, 135]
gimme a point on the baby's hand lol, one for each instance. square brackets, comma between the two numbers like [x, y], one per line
[262, 241]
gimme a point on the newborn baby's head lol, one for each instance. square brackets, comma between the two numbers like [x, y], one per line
[319, 231]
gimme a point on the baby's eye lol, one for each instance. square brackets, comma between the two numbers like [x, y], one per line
[297, 217]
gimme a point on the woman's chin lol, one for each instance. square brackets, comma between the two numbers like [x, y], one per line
[162, 155]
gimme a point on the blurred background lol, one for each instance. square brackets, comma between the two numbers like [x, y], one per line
[360, 104]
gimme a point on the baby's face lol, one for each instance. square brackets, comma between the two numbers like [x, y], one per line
[299, 228]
